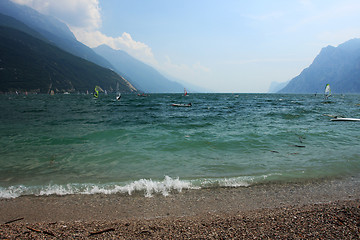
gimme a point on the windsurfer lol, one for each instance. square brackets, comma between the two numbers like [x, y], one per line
[118, 96]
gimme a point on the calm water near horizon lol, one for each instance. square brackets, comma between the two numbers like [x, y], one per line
[74, 144]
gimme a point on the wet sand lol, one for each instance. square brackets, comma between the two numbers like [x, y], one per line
[326, 209]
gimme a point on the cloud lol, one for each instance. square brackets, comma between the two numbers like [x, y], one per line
[198, 66]
[125, 42]
[84, 19]
[76, 13]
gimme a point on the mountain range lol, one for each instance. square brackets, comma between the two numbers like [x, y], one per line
[28, 62]
[38, 53]
[338, 66]
[277, 86]
[50, 31]
[140, 74]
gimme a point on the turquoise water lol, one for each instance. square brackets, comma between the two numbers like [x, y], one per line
[74, 144]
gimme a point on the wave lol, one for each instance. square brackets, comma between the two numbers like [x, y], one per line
[148, 187]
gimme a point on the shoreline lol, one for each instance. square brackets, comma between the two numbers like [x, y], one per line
[179, 214]
[177, 204]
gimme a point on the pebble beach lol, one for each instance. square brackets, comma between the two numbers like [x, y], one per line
[320, 210]
[336, 220]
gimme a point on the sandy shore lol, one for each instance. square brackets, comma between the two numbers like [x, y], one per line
[327, 209]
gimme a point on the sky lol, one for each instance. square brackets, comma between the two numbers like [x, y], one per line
[224, 46]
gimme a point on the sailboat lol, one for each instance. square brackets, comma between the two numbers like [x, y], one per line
[327, 91]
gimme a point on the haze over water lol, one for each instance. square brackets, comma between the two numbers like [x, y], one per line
[74, 144]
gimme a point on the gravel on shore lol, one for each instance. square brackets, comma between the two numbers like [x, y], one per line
[305, 210]
[334, 220]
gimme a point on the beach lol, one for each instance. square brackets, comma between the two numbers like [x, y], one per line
[323, 209]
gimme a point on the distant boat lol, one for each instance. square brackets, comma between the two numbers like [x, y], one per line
[346, 119]
[181, 105]
[327, 91]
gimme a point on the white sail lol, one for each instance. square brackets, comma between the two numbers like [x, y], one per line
[327, 91]
[118, 94]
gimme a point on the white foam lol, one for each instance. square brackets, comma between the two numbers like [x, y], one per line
[148, 186]
[235, 182]
[13, 191]
[243, 181]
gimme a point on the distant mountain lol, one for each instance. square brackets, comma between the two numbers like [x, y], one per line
[30, 64]
[51, 29]
[144, 77]
[338, 66]
[277, 86]
[7, 21]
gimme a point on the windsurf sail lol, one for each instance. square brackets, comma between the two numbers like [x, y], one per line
[118, 94]
[97, 89]
[327, 91]
[185, 92]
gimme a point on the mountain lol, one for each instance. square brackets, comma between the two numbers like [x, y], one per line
[7, 21]
[338, 66]
[28, 63]
[277, 86]
[140, 74]
[51, 29]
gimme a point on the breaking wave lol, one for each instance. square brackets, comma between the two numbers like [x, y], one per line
[148, 187]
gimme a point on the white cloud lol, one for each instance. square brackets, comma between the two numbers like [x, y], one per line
[198, 66]
[84, 19]
[125, 42]
[76, 13]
